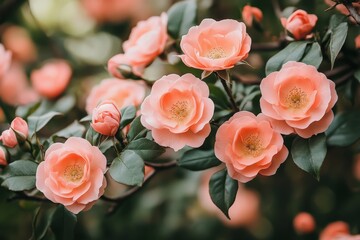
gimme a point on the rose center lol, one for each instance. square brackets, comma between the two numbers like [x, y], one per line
[179, 110]
[296, 98]
[252, 146]
[216, 53]
[73, 173]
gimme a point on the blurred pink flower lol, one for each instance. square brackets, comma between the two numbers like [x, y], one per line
[249, 14]
[3, 160]
[5, 61]
[342, 9]
[300, 24]
[304, 223]
[357, 41]
[335, 231]
[215, 45]
[122, 61]
[52, 78]
[178, 111]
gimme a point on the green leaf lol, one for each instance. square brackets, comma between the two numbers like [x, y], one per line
[344, 130]
[337, 32]
[63, 223]
[218, 96]
[92, 136]
[128, 169]
[148, 150]
[313, 55]
[181, 17]
[249, 98]
[73, 130]
[127, 115]
[223, 190]
[42, 221]
[309, 154]
[196, 160]
[20, 175]
[87, 118]
[137, 130]
[357, 75]
[26, 110]
[36, 123]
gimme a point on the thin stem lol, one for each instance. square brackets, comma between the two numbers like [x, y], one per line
[162, 165]
[353, 12]
[229, 93]
[23, 196]
[277, 8]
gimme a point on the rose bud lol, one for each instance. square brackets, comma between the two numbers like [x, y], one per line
[106, 119]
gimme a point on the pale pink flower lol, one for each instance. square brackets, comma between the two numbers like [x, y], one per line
[121, 92]
[123, 61]
[304, 223]
[342, 9]
[300, 24]
[3, 160]
[249, 14]
[5, 60]
[178, 111]
[72, 174]
[298, 99]
[146, 41]
[8, 137]
[215, 45]
[249, 146]
[52, 78]
[106, 119]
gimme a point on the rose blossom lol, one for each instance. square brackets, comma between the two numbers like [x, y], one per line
[121, 92]
[52, 78]
[5, 60]
[72, 174]
[250, 13]
[335, 230]
[342, 9]
[300, 24]
[248, 145]
[298, 99]
[178, 111]
[8, 137]
[122, 60]
[304, 223]
[213, 45]
[146, 41]
[3, 154]
[106, 119]
[357, 41]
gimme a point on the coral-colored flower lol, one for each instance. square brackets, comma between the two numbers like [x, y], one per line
[300, 24]
[146, 41]
[213, 45]
[357, 41]
[342, 9]
[14, 87]
[334, 231]
[245, 210]
[72, 174]
[304, 223]
[178, 111]
[298, 99]
[250, 13]
[121, 92]
[52, 78]
[106, 119]
[123, 61]
[8, 137]
[17, 40]
[249, 146]
[3, 160]
[5, 60]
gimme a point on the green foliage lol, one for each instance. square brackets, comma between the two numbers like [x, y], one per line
[42, 221]
[128, 168]
[137, 130]
[181, 16]
[196, 159]
[36, 123]
[344, 130]
[127, 116]
[63, 223]
[92, 136]
[20, 175]
[309, 154]
[223, 190]
[73, 130]
[148, 150]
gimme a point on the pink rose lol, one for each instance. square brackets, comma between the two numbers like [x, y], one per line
[72, 174]
[124, 62]
[300, 24]
[304, 223]
[121, 92]
[357, 41]
[106, 119]
[298, 99]
[178, 111]
[342, 9]
[14, 87]
[335, 230]
[52, 78]
[5, 60]
[17, 40]
[8, 137]
[3, 160]
[146, 41]
[248, 145]
[250, 13]
[213, 45]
